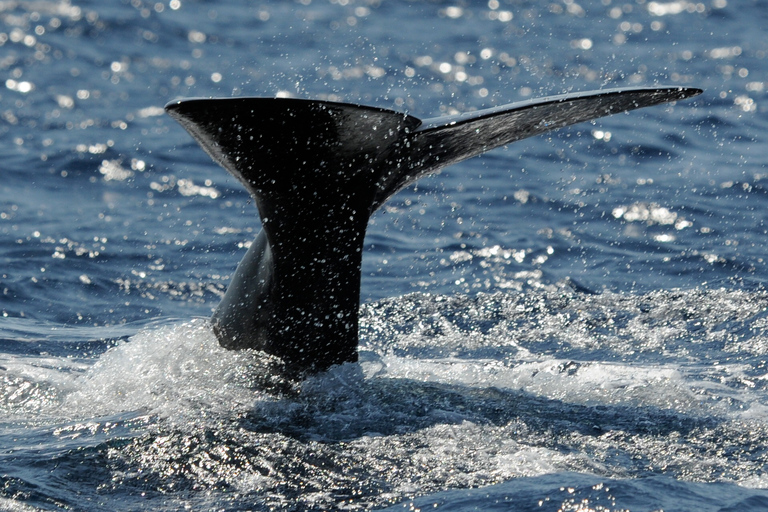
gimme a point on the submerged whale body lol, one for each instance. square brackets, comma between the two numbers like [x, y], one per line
[317, 171]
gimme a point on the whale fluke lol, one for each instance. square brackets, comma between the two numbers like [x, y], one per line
[317, 170]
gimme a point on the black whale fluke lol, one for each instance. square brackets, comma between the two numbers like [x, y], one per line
[317, 170]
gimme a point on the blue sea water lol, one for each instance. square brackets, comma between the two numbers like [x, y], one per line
[576, 322]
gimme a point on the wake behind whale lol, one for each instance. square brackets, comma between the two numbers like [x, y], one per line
[317, 171]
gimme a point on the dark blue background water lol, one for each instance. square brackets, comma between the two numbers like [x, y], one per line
[578, 320]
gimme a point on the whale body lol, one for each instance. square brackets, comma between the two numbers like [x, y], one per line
[317, 170]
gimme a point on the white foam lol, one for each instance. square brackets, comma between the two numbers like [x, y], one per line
[174, 371]
[180, 371]
[588, 383]
[7, 505]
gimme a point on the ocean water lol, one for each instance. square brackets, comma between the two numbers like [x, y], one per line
[576, 322]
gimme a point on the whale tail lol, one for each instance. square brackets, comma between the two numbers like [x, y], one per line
[317, 170]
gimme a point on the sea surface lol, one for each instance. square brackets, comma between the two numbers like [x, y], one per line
[577, 322]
